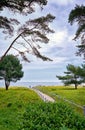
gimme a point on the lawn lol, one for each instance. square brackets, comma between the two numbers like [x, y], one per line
[69, 93]
[13, 104]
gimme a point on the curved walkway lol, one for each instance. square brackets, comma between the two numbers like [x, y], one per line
[43, 96]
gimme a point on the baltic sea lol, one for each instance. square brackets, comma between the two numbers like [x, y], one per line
[31, 84]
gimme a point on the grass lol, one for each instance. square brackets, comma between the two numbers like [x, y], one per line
[17, 101]
[13, 104]
[69, 93]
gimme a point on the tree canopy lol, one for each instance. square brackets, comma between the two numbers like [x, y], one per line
[10, 70]
[74, 75]
[23, 7]
[78, 15]
[31, 32]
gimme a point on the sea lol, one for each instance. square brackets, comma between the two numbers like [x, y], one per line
[32, 84]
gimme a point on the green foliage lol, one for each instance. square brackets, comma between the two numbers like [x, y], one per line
[23, 7]
[38, 33]
[75, 14]
[20, 5]
[13, 104]
[21, 108]
[49, 116]
[35, 29]
[10, 69]
[73, 75]
[78, 15]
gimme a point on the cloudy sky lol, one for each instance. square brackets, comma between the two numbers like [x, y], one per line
[61, 47]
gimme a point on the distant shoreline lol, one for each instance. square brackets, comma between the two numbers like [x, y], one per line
[32, 84]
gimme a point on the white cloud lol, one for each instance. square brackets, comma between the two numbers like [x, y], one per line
[59, 59]
[60, 42]
[59, 37]
[70, 38]
[63, 2]
[44, 64]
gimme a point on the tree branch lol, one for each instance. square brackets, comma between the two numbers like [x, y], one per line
[15, 41]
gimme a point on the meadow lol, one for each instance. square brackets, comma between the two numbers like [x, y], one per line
[22, 109]
[59, 93]
[13, 104]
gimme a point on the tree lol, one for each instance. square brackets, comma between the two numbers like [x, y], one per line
[74, 75]
[78, 15]
[23, 7]
[32, 32]
[10, 70]
[82, 73]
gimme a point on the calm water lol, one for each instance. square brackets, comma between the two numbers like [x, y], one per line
[31, 84]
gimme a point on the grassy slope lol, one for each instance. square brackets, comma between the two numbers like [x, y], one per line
[12, 105]
[76, 96]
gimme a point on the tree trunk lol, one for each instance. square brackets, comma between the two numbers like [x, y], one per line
[7, 83]
[76, 86]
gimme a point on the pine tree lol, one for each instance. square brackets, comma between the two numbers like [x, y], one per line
[77, 15]
[10, 70]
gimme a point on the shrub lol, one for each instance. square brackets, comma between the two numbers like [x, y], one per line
[51, 116]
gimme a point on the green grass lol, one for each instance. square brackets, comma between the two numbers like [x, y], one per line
[69, 93]
[21, 105]
[13, 104]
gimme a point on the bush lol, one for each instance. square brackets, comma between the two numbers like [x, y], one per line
[51, 116]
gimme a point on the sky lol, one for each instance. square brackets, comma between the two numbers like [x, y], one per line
[61, 47]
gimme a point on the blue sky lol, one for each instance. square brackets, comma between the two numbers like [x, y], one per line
[61, 47]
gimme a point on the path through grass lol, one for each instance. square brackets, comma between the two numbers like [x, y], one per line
[69, 93]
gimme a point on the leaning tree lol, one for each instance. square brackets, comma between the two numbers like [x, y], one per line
[77, 15]
[31, 33]
[10, 70]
